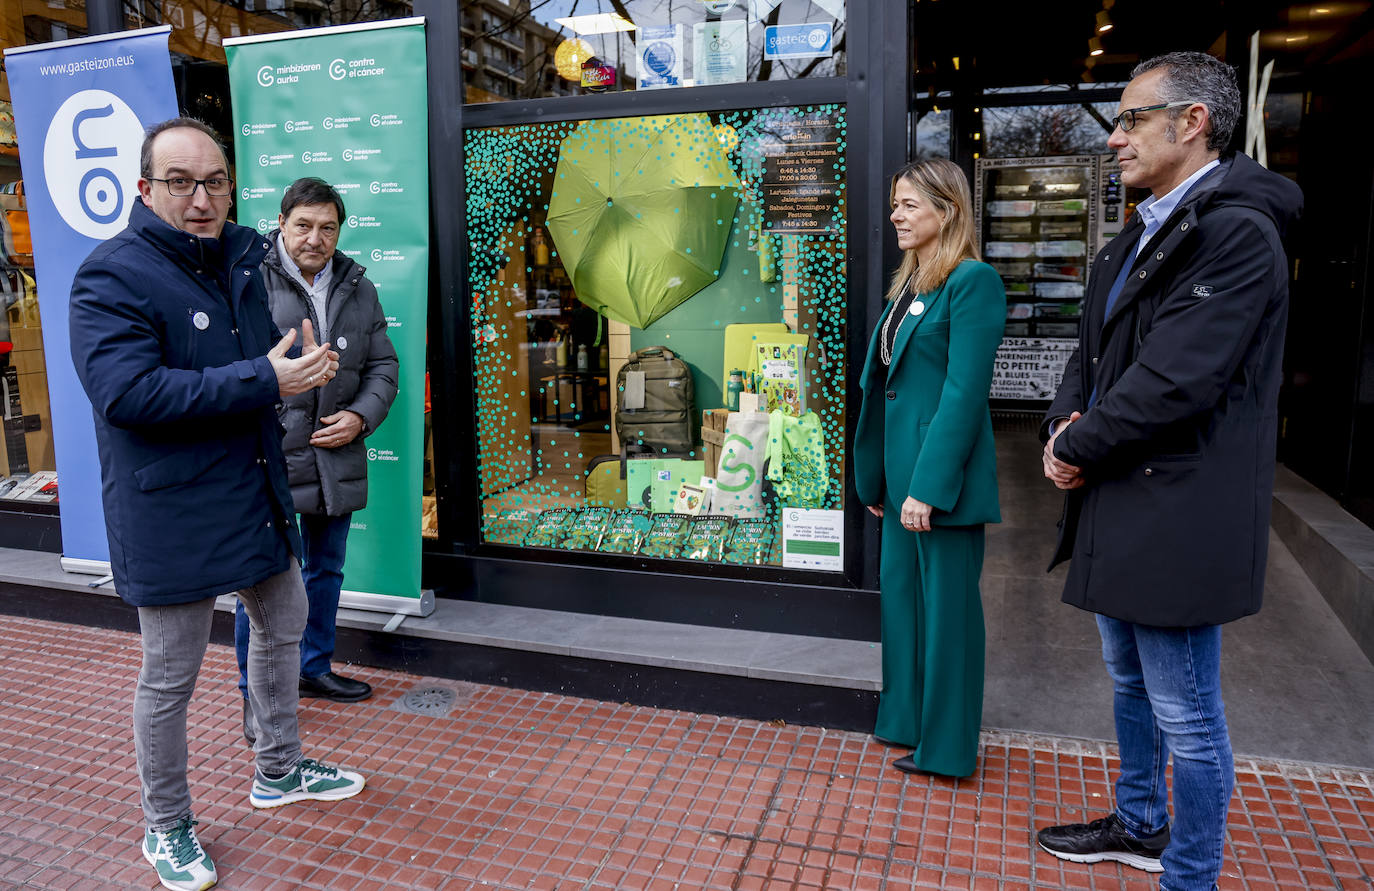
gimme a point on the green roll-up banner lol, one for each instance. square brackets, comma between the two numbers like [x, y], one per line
[347, 104]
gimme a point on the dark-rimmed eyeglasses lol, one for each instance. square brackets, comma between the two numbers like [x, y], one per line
[1126, 120]
[185, 187]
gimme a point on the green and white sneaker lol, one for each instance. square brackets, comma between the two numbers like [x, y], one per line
[180, 861]
[308, 781]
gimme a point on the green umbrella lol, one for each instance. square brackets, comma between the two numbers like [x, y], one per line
[640, 212]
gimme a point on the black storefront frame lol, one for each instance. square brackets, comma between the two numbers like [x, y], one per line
[875, 95]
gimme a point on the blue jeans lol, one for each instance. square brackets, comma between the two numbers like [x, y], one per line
[174, 640]
[1168, 699]
[324, 540]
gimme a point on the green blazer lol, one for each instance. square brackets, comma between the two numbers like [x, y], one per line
[924, 427]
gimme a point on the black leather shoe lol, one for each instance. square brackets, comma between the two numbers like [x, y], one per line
[331, 686]
[248, 732]
[1105, 839]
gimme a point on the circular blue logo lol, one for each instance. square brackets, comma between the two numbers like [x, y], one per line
[659, 57]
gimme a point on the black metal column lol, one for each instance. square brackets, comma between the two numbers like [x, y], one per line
[104, 16]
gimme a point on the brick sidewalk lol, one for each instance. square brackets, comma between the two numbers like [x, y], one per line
[528, 790]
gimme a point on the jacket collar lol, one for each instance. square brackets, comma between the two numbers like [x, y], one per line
[1170, 238]
[342, 266]
[238, 243]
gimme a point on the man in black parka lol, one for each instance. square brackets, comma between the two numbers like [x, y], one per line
[307, 277]
[1163, 433]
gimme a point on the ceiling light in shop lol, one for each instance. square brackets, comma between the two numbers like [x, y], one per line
[1104, 22]
[569, 56]
[600, 23]
[1094, 47]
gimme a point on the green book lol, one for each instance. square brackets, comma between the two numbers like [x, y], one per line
[666, 536]
[750, 543]
[509, 527]
[625, 531]
[706, 538]
[585, 528]
[549, 529]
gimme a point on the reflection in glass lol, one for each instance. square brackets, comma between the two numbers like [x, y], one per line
[524, 50]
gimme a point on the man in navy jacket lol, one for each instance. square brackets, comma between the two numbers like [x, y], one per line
[1163, 435]
[175, 346]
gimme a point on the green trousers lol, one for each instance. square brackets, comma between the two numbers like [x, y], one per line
[933, 639]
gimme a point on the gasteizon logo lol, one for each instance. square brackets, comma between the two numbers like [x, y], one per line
[90, 158]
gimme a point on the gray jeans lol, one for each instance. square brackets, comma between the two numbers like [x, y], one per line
[174, 641]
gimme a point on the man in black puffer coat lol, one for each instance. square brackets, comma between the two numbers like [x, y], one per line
[326, 459]
[1163, 435]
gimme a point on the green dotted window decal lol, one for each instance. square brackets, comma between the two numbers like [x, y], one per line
[658, 328]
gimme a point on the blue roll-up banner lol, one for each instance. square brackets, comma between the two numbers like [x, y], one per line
[80, 108]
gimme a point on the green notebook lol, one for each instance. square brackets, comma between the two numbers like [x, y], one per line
[549, 529]
[750, 543]
[625, 532]
[585, 528]
[706, 538]
[666, 536]
[509, 527]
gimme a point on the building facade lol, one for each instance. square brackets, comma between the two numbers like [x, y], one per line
[761, 135]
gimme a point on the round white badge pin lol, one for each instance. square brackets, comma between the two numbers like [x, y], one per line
[917, 308]
[343, 343]
[201, 321]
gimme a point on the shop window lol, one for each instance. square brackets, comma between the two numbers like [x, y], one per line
[658, 324]
[646, 44]
[28, 470]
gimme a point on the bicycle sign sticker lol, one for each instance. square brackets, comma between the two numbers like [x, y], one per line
[721, 52]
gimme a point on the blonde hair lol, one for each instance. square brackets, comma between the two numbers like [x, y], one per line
[943, 185]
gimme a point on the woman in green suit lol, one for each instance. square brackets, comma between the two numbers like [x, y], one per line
[924, 462]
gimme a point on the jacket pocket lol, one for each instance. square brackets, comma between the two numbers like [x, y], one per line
[179, 468]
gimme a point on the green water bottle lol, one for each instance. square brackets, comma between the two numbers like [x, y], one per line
[733, 389]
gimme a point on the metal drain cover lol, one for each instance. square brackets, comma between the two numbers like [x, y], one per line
[429, 700]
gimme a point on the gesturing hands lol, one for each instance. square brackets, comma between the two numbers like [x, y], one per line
[316, 366]
[1065, 476]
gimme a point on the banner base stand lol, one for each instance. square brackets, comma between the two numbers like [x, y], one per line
[85, 567]
[421, 606]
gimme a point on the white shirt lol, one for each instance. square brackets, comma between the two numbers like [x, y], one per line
[1154, 211]
[318, 289]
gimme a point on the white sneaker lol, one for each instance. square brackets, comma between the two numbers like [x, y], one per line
[180, 861]
[309, 780]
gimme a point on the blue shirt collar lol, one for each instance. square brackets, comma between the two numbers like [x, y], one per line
[1154, 211]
